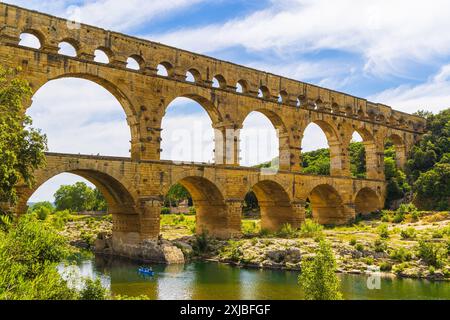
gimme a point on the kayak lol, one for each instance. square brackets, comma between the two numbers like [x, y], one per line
[146, 271]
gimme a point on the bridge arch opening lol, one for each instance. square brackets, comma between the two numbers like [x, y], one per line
[274, 205]
[395, 148]
[67, 49]
[367, 201]
[259, 139]
[358, 155]
[101, 56]
[187, 132]
[120, 202]
[81, 116]
[134, 62]
[219, 82]
[164, 69]
[242, 86]
[263, 92]
[210, 206]
[30, 39]
[326, 205]
[193, 75]
[315, 149]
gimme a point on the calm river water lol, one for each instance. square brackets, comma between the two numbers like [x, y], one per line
[201, 280]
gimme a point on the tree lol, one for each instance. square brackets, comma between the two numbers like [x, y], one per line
[318, 276]
[78, 198]
[21, 147]
[176, 194]
[432, 188]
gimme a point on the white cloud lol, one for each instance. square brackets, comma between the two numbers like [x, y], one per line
[110, 14]
[433, 95]
[388, 34]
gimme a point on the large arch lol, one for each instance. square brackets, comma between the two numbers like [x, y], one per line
[187, 133]
[275, 205]
[281, 132]
[367, 201]
[372, 170]
[69, 109]
[400, 149]
[334, 144]
[210, 206]
[120, 197]
[327, 205]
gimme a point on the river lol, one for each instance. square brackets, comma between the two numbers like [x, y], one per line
[208, 280]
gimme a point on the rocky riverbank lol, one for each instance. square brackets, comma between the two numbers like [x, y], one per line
[396, 249]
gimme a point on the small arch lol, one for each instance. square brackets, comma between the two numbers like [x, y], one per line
[210, 206]
[219, 82]
[327, 205]
[67, 49]
[193, 75]
[264, 92]
[275, 205]
[30, 40]
[164, 69]
[367, 201]
[283, 97]
[102, 56]
[301, 101]
[242, 86]
[135, 62]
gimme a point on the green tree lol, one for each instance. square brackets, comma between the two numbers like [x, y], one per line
[358, 159]
[99, 201]
[318, 276]
[77, 198]
[432, 188]
[176, 194]
[21, 147]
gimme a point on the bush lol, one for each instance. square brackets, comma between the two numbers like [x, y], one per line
[380, 245]
[401, 255]
[385, 266]
[383, 231]
[42, 213]
[437, 234]
[310, 228]
[359, 247]
[93, 290]
[353, 242]
[286, 231]
[201, 244]
[408, 233]
[430, 252]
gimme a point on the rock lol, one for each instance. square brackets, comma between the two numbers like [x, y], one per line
[172, 254]
[164, 253]
[99, 245]
[293, 255]
[276, 255]
[186, 248]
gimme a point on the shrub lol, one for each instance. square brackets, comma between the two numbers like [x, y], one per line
[399, 268]
[352, 241]
[250, 228]
[408, 233]
[383, 231]
[359, 247]
[430, 253]
[385, 266]
[385, 216]
[42, 213]
[192, 210]
[201, 244]
[437, 234]
[431, 270]
[286, 231]
[310, 228]
[318, 278]
[380, 245]
[93, 290]
[401, 255]
[165, 210]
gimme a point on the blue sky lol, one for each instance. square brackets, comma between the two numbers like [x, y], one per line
[393, 52]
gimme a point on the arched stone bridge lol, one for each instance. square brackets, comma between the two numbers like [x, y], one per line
[134, 186]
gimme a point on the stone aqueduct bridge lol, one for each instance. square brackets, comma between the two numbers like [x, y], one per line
[134, 186]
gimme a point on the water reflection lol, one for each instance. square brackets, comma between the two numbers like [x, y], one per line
[211, 281]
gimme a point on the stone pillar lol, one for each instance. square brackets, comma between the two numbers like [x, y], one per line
[145, 140]
[349, 210]
[339, 159]
[299, 215]
[234, 218]
[400, 156]
[374, 161]
[226, 137]
[126, 233]
[149, 218]
[287, 154]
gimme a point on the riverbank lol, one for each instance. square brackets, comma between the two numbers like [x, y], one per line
[416, 247]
